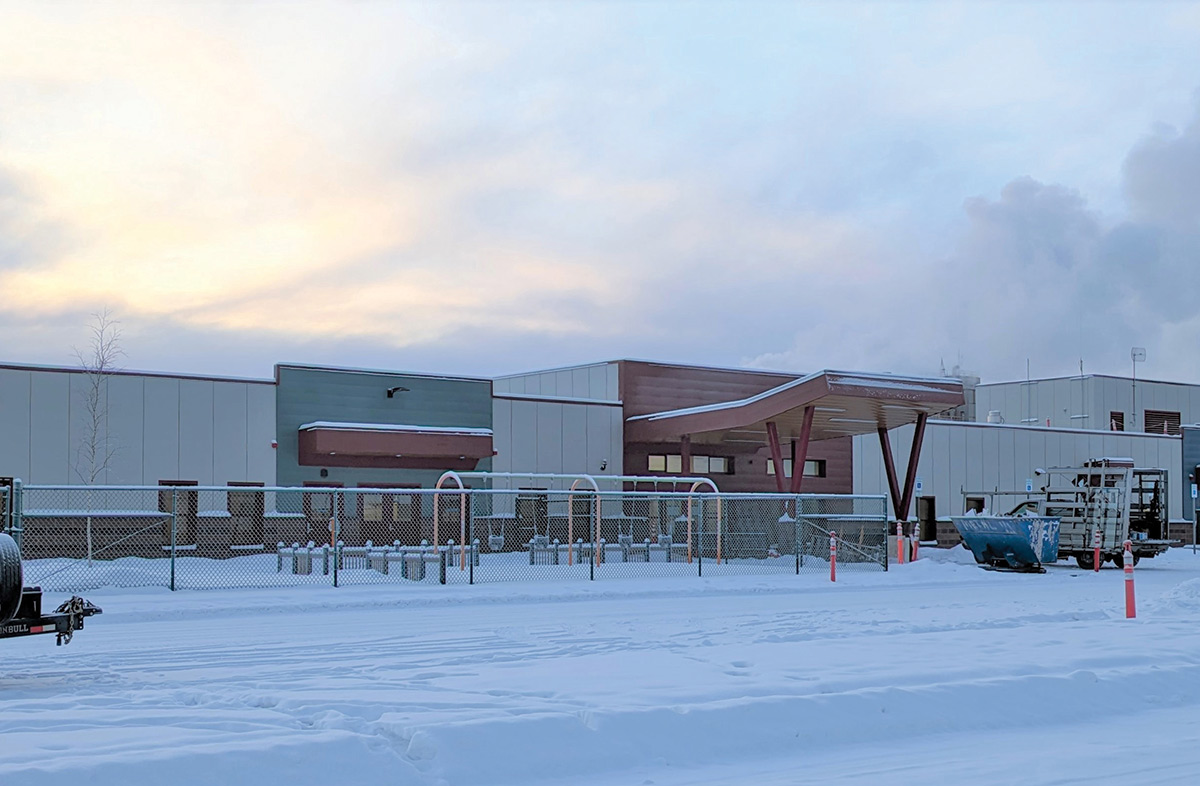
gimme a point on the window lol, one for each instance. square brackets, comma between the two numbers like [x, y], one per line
[701, 465]
[319, 506]
[1162, 422]
[245, 503]
[813, 468]
[1116, 421]
[388, 507]
[186, 499]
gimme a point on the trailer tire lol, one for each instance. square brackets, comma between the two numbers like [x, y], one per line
[1086, 560]
[11, 580]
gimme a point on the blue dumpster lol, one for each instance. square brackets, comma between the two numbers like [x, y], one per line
[1013, 542]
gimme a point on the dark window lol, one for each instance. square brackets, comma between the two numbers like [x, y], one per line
[386, 507]
[187, 499]
[701, 465]
[1116, 421]
[1162, 422]
[319, 506]
[813, 468]
[245, 503]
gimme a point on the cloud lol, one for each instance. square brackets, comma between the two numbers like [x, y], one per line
[1162, 177]
[482, 190]
[1038, 274]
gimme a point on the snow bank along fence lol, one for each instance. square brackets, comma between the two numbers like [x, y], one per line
[77, 538]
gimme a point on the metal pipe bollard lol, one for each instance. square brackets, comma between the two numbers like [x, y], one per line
[279, 547]
[1130, 606]
[899, 543]
[833, 556]
[915, 529]
[1096, 539]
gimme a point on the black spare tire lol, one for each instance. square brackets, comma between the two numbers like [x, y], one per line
[10, 578]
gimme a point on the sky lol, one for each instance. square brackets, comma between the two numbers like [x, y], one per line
[491, 187]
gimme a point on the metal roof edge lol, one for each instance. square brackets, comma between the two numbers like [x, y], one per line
[376, 372]
[553, 369]
[124, 372]
[787, 386]
[1056, 429]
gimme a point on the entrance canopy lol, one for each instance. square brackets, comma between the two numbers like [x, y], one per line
[824, 405]
[839, 404]
[387, 445]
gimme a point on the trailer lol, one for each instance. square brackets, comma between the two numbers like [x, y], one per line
[1099, 505]
[21, 611]
[21, 607]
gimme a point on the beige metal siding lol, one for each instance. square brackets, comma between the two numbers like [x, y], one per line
[15, 422]
[158, 428]
[978, 457]
[595, 381]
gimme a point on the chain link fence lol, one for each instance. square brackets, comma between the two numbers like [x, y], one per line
[190, 537]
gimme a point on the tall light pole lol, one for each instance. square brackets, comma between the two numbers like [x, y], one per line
[1136, 354]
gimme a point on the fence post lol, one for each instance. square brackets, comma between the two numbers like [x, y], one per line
[335, 536]
[17, 511]
[174, 520]
[796, 525]
[832, 555]
[1130, 606]
[699, 537]
[90, 503]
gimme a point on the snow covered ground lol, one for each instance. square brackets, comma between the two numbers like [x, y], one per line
[935, 672]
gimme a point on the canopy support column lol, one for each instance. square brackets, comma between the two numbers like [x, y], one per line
[889, 466]
[776, 454]
[911, 476]
[902, 502]
[801, 453]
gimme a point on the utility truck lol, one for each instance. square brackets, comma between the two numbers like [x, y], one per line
[1108, 496]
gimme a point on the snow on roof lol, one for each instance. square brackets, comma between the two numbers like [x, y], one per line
[555, 399]
[916, 384]
[394, 427]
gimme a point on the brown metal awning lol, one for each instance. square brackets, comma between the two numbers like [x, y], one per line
[393, 446]
[842, 404]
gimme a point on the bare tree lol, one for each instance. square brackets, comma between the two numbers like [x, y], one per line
[97, 444]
